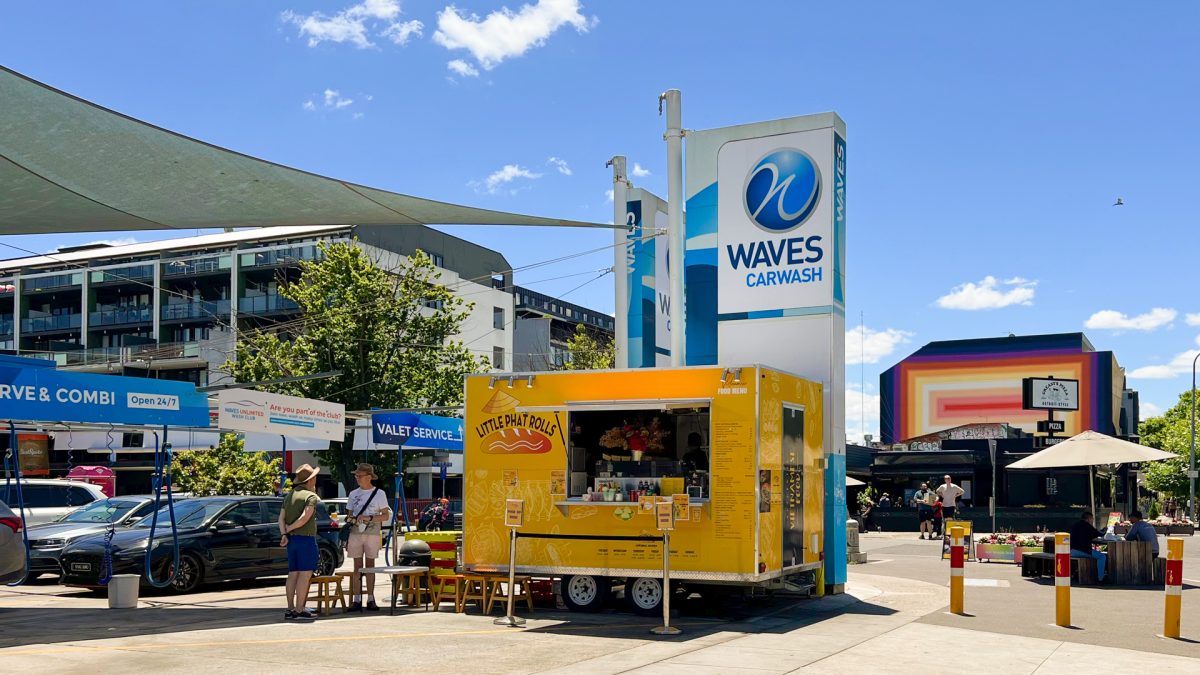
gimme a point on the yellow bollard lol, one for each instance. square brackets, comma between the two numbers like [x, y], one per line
[956, 570]
[1062, 579]
[1174, 584]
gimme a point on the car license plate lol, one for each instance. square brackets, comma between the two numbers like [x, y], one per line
[81, 567]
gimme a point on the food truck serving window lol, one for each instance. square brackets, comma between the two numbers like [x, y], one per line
[619, 452]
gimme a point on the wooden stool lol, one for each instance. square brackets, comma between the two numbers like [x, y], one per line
[476, 587]
[497, 592]
[449, 587]
[416, 587]
[329, 594]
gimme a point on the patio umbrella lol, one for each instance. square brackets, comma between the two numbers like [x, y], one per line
[1090, 449]
[853, 482]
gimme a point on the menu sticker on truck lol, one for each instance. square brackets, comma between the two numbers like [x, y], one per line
[680, 502]
[664, 513]
[558, 482]
[646, 503]
[510, 479]
[514, 512]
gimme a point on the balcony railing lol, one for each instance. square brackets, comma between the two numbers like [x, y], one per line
[52, 282]
[281, 256]
[121, 315]
[138, 273]
[108, 355]
[215, 263]
[266, 303]
[44, 324]
[204, 309]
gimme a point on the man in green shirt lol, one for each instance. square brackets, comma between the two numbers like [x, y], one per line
[298, 529]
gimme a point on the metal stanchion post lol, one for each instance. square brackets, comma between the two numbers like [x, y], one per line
[511, 620]
[956, 569]
[666, 628]
[1062, 579]
[1174, 584]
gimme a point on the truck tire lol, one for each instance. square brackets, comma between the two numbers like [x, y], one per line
[644, 595]
[584, 593]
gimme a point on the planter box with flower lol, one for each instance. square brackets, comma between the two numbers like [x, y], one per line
[1006, 547]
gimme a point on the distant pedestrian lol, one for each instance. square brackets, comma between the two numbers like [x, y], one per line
[923, 500]
[938, 514]
[865, 506]
[885, 502]
[1082, 533]
[949, 492]
[298, 531]
[366, 512]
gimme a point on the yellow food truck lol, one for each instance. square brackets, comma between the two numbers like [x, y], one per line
[739, 452]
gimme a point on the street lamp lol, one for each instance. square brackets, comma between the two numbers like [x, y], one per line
[1192, 454]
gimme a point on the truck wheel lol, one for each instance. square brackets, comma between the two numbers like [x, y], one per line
[644, 596]
[584, 593]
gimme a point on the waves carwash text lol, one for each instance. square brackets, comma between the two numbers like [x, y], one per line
[545, 425]
[778, 260]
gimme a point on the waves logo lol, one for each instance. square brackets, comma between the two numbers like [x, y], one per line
[511, 432]
[782, 190]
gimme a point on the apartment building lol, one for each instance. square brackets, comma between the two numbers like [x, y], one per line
[545, 323]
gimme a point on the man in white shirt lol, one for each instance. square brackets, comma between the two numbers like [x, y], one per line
[949, 492]
[367, 533]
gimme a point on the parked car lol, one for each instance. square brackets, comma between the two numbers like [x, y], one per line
[12, 546]
[46, 499]
[46, 541]
[220, 539]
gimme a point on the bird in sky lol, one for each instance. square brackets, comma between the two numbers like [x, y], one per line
[1120, 202]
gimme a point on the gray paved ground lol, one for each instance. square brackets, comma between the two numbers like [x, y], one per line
[892, 620]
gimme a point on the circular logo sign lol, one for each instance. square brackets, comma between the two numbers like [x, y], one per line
[782, 190]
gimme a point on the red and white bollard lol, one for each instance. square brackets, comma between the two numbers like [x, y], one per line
[1062, 579]
[1174, 583]
[956, 570]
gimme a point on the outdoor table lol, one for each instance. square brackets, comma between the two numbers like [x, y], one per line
[1130, 563]
[395, 572]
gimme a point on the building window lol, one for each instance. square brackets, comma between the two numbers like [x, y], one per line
[438, 260]
[498, 318]
[498, 358]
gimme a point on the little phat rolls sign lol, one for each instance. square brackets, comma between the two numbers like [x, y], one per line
[246, 410]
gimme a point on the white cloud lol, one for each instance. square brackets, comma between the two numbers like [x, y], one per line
[120, 241]
[504, 33]
[309, 105]
[351, 24]
[989, 294]
[560, 165]
[1180, 364]
[1149, 410]
[333, 99]
[496, 182]
[402, 31]
[862, 413]
[639, 171]
[1192, 319]
[463, 68]
[608, 195]
[864, 345]
[1109, 319]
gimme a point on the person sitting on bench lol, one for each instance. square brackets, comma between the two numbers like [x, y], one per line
[1082, 533]
[1140, 530]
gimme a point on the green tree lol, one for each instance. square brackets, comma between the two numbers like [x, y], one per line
[225, 470]
[589, 352]
[1170, 431]
[389, 332]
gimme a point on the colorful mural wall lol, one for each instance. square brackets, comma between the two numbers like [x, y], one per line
[952, 383]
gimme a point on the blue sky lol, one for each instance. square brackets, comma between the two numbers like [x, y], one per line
[987, 144]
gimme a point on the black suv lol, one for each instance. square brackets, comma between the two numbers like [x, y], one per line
[220, 538]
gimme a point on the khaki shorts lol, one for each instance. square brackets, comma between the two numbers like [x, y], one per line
[364, 544]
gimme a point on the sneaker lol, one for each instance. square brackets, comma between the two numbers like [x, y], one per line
[289, 615]
[371, 606]
[306, 615]
[355, 607]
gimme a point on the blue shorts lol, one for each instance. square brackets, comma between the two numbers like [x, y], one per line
[302, 553]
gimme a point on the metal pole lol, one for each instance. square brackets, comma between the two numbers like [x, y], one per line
[621, 259]
[1192, 453]
[992, 448]
[666, 628]
[509, 619]
[283, 466]
[675, 233]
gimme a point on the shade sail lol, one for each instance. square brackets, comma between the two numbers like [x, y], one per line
[69, 165]
[1090, 448]
[853, 482]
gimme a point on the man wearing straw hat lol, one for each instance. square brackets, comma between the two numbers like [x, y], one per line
[366, 512]
[298, 528]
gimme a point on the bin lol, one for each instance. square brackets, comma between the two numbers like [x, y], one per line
[123, 591]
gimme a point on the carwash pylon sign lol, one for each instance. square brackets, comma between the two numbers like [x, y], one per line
[35, 392]
[417, 431]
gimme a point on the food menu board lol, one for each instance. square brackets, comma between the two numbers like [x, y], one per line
[733, 495]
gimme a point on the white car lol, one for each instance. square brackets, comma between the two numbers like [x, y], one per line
[47, 499]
